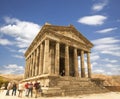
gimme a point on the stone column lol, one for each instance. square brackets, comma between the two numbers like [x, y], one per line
[30, 66]
[35, 66]
[67, 67]
[76, 63]
[37, 61]
[41, 59]
[27, 68]
[25, 75]
[57, 58]
[34, 63]
[52, 61]
[82, 65]
[89, 65]
[46, 57]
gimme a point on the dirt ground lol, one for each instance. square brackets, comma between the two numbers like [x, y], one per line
[110, 95]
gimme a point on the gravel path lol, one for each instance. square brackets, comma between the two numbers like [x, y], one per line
[110, 95]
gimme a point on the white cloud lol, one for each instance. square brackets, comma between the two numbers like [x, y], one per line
[18, 56]
[106, 55]
[22, 50]
[93, 20]
[11, 49]
[12, 69]
[13, 66]
[114, 53]
[23, 32]
[108, 30]
[108, 45]
[109, 69]
[109, 65]
[94, 64]
[106, 40]
[5, 42]
[109, 60]
[99, 6]
[113, 69]
[110, 73]
[118, 20]
[101, 71]
[94, 57]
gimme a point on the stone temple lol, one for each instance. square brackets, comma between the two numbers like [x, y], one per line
[56, 49]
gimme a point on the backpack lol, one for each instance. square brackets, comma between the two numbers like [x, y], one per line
[37, 86]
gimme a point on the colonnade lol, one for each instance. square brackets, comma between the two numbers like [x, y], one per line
[39, 61]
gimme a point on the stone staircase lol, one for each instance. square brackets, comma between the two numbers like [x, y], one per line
[66, 86]
[77, 86]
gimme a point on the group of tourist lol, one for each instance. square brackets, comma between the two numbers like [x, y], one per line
[27, 87]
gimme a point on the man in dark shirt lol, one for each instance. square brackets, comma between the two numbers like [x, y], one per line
[14, 88]
[37, 88]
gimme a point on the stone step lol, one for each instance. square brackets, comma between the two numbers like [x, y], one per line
[79, 86]
[74, 86]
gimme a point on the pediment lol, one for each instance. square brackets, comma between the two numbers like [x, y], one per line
[72, 36]
[67, 31]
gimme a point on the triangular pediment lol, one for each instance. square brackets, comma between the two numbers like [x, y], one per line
[70, 32]
[72, 35]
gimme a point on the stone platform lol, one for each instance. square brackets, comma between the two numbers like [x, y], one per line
[66, 85]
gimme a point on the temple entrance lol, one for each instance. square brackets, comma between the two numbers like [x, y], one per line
[62, 65]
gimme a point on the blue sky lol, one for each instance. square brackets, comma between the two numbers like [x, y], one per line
[98, 20]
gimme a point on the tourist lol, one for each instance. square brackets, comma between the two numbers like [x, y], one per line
[62, 73]
[20, 89]
[8, 88]
[26, 89]
[14, 88]
[37, 88]
[30, 89]
[2, 88]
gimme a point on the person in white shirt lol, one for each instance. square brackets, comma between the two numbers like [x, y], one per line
[20, 89]
[8, 88]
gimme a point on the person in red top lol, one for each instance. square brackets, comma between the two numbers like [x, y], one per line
[26, 89]
[30, 87]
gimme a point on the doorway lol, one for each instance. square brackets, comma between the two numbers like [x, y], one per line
[62, 64]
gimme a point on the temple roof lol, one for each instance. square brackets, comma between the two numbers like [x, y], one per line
[68, 31]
